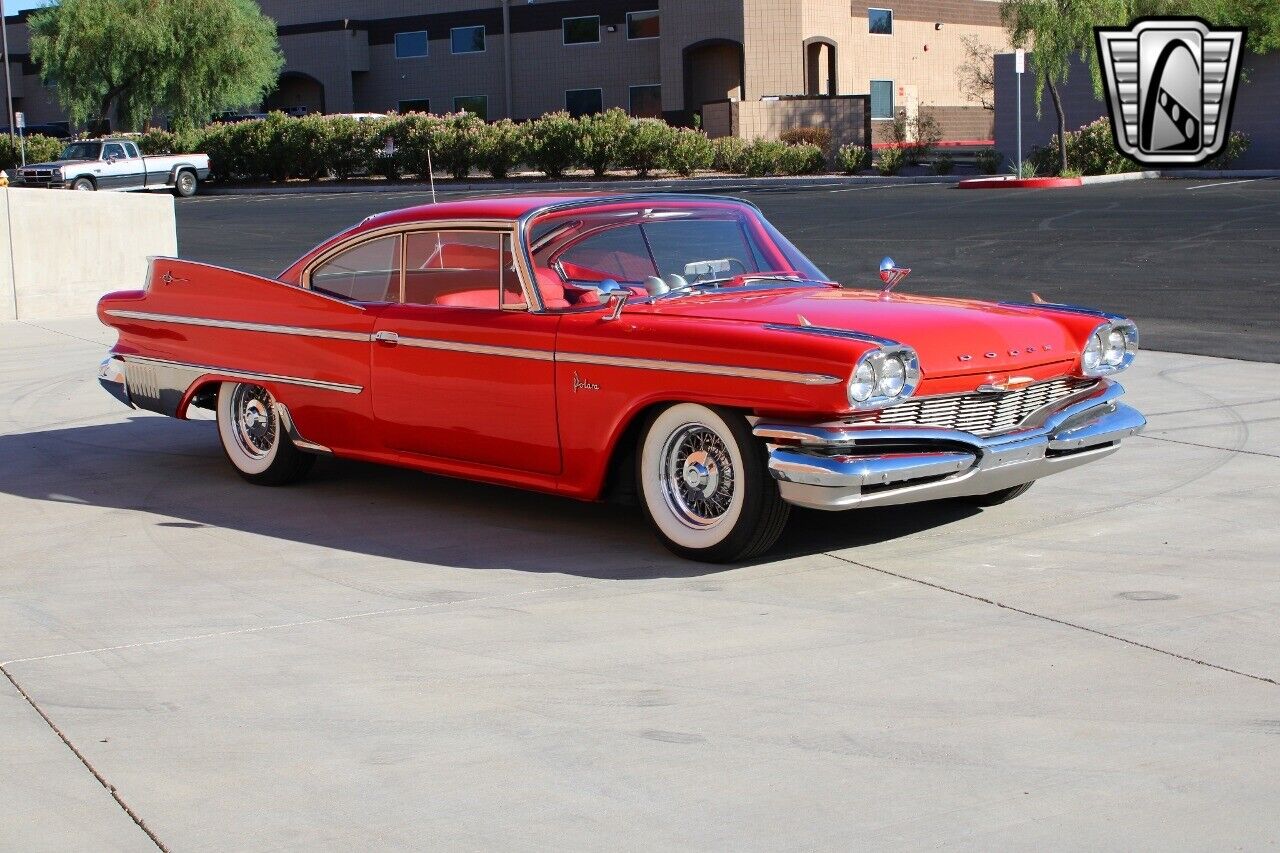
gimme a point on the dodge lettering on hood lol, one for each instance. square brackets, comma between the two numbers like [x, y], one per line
[677, 349]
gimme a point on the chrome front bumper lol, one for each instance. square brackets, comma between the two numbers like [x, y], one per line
[837, 466]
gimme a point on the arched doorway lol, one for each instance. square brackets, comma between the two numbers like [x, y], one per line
[296, 93]
[820, 67]
[714, 70]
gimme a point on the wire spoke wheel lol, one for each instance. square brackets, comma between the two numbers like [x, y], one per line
[256, 420]
[705, 485]
[697, 478]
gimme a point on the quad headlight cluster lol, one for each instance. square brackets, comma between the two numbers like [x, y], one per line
[883, 377]
[1111, 348]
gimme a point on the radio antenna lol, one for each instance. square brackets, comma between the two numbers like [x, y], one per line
[431, 176]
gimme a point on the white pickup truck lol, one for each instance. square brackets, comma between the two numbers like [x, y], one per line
[116, 164]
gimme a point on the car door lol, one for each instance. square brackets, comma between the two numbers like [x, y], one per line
[461, 368]
[116, 171]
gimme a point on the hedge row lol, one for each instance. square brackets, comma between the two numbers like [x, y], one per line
[280, 147]
[40, 149]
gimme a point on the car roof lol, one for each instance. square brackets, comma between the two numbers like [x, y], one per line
[494, 207]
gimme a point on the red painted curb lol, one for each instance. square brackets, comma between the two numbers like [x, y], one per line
[1019, 183]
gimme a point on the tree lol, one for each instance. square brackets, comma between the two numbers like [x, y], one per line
[1262, 17]
[187, 58]
[976, 76]
[1060, 30]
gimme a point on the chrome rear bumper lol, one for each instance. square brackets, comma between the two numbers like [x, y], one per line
[111, 375]
[839, 466]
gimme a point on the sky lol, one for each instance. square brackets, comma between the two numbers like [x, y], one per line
[12, 7]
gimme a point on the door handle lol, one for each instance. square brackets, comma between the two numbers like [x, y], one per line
[385, 337]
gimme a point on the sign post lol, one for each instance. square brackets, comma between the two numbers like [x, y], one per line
[20, 121]
[1019, 66]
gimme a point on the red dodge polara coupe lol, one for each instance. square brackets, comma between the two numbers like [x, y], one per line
[675, 345]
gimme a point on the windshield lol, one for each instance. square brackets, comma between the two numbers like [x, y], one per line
[82, 151]
[686, 248]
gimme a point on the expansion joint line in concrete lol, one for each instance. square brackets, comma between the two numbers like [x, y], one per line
[111, 789]
[1077, 626]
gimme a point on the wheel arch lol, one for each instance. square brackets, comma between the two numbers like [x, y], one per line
[618, 482]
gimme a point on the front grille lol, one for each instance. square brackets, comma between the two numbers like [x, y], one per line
[981, 414]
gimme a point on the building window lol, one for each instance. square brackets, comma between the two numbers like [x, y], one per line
[581, 30]
[882, 99]
[467, 39]
[474, 104]
[584, 102]
[415, 105]
[880, 22]
[646, 101]
[642, 25]
[411, 45]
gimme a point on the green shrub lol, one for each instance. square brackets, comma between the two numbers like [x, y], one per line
[40, 149]
[763, 157]
[690, 151]
[555, 143]
[1031, 170]
[604, 139]
[729, 154]
[352, 147]
[415, 143]
[301, 147]
[456, 143]
[159, 142]
[819, 136]
[988, 160]
[502, 147]
[1237, 145]
[801, 159]
[1091, 150]
[648, 145]
[891, 161]
[943, 164]
[853, 158]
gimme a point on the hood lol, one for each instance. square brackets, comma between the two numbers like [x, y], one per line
[953, 337]
[53, 164]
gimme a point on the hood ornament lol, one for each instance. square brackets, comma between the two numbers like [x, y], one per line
[891, 274]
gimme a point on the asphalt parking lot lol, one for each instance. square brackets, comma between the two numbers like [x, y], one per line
[1195, 262]
[380, 659]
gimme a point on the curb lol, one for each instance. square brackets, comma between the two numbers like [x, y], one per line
[605, 186]
[1010, 183]
[1123, 176]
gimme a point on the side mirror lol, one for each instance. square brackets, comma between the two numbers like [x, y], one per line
[614, 297]
[891, 274]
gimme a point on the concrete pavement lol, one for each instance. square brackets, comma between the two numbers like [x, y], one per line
[378, 658]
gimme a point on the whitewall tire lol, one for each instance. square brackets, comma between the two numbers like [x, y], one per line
[254, 438]
[704, 483]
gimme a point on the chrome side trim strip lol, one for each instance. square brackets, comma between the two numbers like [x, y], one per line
[245, 374]
[832, 333]
[478, 349]
[1067, 309]
[239, 325]
[698, 367]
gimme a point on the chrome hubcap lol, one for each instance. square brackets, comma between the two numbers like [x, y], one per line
[255, 420]
[697, 476]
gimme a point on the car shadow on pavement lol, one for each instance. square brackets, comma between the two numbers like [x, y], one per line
[177, 471]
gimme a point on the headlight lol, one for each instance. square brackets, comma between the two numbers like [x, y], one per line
[1111, 348]
[883, 377]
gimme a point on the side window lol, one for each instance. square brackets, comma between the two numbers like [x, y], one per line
[369, 272]
[461, 269]
[617, 253]
[131, 149]
[113, 149]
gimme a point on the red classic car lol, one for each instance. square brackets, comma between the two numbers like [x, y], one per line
[675, 348]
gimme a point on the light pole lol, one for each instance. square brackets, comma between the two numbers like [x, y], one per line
[8, 83]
